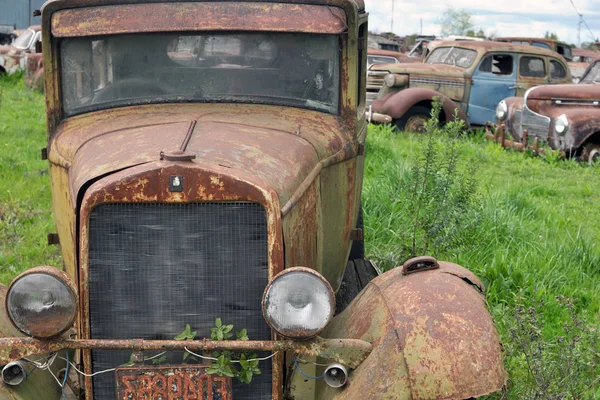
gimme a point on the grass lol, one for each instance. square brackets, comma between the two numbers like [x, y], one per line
[25, 202]
[534, 244]
[536, 240]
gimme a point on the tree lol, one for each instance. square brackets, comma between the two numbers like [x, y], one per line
[455, 21]
[551, 35]
[479, 34]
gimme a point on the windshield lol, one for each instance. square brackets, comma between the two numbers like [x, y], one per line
[299, 70]
[592, 75]
[454, 56]
[24, 40]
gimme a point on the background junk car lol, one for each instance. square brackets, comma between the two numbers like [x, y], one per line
[566, 117]
[202, 172]
[561, 48]
[471, 77]
[12, 57]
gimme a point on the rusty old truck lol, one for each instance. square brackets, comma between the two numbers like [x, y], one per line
[564, 117]
[468, 77]
[206, 163]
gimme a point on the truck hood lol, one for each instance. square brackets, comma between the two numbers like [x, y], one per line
[571, 92]
[280, 147]
[436, 70]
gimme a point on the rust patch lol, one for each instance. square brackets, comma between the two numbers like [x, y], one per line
[223, 16]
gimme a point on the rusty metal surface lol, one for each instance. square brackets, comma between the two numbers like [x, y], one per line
[349, 352]
[276, 144]
[218, 16]
[185, 382]
[432, 338]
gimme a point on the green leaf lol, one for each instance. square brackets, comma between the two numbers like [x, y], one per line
[242, 334]
[218, 322]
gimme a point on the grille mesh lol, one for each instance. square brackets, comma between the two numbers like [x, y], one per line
[153, 268]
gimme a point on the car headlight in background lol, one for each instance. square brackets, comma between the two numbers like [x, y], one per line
[561, 124]
[42, 302]
[395, 80]
[501, 110]
[298, 303]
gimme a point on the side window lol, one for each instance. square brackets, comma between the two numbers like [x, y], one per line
[541, 44]
[532, 67]
[557, 71]
[498, 64]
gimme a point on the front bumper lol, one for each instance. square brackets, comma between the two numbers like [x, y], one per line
[349, 352]
[497, 133]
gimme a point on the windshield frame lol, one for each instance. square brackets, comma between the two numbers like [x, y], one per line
[17, 44]
[333, 108]
[595, 65]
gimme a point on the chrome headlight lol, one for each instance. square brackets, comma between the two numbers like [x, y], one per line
[561, 124]
[298, 303]
[501, 110]
[389, 80]
[42, 302]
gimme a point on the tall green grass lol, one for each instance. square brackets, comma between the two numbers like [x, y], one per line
[534, 239]
[25, 203]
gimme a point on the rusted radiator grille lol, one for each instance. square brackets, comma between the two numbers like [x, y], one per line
[153, 268]
[536, 124]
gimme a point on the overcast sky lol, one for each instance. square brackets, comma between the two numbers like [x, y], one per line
[504, 18]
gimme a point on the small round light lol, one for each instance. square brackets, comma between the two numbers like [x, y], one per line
[501, 110]
[42, 302]
[389, 80]
[561, 125]
[299, 303]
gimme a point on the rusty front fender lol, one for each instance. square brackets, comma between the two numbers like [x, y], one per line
[397, 104]
[432, 337]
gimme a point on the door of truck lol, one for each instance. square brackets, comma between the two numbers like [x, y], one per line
[494, 79]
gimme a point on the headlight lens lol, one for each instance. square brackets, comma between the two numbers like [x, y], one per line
[561, 125]
[389, 80]
[298, 303]
[501, 110]
[42, 302]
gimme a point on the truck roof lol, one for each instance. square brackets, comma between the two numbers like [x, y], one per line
[488, 45]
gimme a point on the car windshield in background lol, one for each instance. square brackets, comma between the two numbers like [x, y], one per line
[454, 56]
[24, 40]
[592, 75]
[381, 60]
[296, 70]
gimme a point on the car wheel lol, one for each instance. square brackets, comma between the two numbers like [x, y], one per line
[414, 120]
[358, 274]
[591, 154]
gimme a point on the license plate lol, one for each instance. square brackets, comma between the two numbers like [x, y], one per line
[172, 382]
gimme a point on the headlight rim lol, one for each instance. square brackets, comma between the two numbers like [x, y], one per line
[502, 106]
[313, 273]
[60, 275]
[565, 121]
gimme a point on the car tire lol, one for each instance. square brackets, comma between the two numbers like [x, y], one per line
[357, 275]
[591, 154]
[414, 120]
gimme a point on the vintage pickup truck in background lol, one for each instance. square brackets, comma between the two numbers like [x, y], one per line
[12, 57]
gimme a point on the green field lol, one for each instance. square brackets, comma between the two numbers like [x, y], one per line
[529, 232]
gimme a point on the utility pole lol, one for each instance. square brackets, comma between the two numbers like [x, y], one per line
[392, 29]
[421, 26]
[579, 30]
